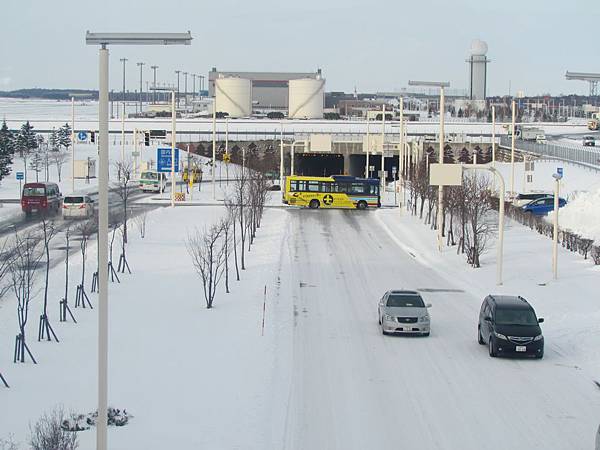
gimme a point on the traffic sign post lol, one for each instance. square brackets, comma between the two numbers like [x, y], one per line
[20, 176]
[163, 160]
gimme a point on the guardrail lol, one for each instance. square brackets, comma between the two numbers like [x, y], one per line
[589, 156]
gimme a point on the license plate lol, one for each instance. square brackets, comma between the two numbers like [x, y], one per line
[520, 348]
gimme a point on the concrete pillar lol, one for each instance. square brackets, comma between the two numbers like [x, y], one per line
[346, 155]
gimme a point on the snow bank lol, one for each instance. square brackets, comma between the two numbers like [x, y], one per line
[582, 215]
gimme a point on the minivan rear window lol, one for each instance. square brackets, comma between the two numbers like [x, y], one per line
[149, 175]
[515, 317]
[73, 200]
[34, 192]
[405, 300]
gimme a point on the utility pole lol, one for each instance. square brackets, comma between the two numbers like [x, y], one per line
[123, 60]
[141, 65]
[178, 72]
[185, 74]
[154, 85]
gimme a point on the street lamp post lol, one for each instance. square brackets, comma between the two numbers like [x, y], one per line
[382, 180]
[103, 40]
[512, 151]
[154, 84]
[557, 177]
[178, 72]
[367, 170]
[193, 87]
[442, 108]
[72, 145]
[185, 74]
[141, 65]
[123, 60]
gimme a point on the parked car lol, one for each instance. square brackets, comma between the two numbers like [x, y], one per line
[508, 325]
[43, 197]
[543, 206]
[589, 141]
[77, 206]
[523, 199]
[152, 181]
[404, 312]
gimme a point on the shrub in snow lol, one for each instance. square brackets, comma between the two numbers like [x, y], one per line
[595, 253]
[49, 434]
[116, 417]
[8, 444]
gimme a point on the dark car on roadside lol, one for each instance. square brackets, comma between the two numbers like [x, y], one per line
[508, 325]
[42, 197]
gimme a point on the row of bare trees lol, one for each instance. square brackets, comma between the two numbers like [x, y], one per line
[211, 248]
[467, 221]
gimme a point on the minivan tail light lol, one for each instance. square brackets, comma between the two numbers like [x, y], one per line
[82, 206]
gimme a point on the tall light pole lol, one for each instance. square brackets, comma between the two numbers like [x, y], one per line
[557, 177]
[178, 72]
[512, 151]
[141, 65]
[173, 144]
[154, 84]
[185, 74]
[367, 170]
[103, 40]
[193, 87]
[201, 85]
[440, 215]
[123, 60]
[382, 180]
[214, 152]
[72, 144]
[401, 155]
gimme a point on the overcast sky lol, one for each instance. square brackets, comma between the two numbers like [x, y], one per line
[373, 45]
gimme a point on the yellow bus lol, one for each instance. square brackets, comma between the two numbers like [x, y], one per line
[336, 191]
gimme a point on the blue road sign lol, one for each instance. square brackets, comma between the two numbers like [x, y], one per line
[559, 171]
[82, 136]
[20, 175]
[163, 159]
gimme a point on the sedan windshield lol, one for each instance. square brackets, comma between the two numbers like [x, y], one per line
[405, 300]
[515, 317]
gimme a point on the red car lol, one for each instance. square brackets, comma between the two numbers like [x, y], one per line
[41, 197]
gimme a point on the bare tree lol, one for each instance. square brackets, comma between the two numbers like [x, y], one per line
[239, 199]
[48, 433]
[64, 303]
[48, 232]
[478, 205]
[25, 260]
[140, 220]
[124, 188]
[59, 158]
[232, 212]
[114, 226]
[207, 250]
[85, 231]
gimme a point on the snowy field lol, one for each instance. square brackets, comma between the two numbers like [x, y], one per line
[322, 376]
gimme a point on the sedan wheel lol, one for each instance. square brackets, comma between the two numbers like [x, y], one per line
[491, 350]
[479, 338]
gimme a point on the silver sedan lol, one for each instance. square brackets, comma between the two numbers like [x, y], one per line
[404, 312]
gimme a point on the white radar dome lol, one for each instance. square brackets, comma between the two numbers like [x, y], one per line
[478, 48]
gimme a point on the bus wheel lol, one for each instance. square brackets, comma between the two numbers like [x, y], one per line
[361, 205]
[314, 204]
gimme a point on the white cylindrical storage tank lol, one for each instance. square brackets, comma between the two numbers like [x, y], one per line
[233, 96]
[306, 98]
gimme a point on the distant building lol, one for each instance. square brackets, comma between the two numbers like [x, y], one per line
[478, 62]
[270, 90]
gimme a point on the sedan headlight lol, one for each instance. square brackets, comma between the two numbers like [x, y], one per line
[388, 317]
[539, 337]
[500, 336]
[424, 319]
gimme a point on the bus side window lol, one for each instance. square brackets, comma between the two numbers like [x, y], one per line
[313, 186]
[358, 188]
[325, 187]
[301, 186]
[293, 186]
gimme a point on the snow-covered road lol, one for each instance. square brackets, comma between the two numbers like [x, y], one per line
[352, 388]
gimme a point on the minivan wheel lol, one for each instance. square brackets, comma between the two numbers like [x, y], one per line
[479, 338]
[314, 204]
[540, 355]
[492, 352]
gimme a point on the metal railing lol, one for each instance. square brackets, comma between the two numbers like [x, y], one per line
[589, 156]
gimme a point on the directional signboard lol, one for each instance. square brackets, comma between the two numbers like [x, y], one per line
[559, 171]
[20, 175]
[82, 136]
[163, 159]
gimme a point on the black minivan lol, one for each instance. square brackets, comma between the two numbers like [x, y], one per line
[508, 325]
